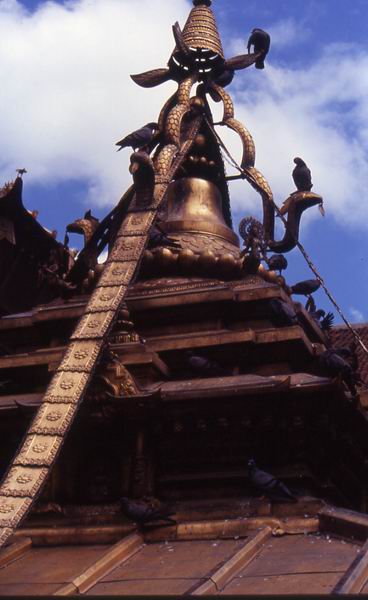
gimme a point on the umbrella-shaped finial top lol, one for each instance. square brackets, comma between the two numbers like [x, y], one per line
[202, 2]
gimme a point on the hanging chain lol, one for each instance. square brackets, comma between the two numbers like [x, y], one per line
[298, 244]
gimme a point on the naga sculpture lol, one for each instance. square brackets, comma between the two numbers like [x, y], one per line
[196, 59]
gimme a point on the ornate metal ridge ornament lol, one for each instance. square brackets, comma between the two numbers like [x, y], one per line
[198, 48]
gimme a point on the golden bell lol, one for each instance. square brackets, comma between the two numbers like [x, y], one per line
[195, 205]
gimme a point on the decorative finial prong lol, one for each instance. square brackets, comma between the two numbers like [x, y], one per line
[202, 2]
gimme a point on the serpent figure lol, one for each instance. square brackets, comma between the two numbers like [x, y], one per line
[293, 207]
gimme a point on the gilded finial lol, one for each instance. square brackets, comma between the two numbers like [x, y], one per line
[202, 2]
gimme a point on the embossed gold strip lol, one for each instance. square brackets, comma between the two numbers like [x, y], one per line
[137, 206]
[12, 510]
[5, 535]
[127, 248]
[138, 223]
[66, 387]
[119, 273]
[23, 482]
[38, 450]
[53, 419]
[93, 326]
[106, 299]
[81, 355]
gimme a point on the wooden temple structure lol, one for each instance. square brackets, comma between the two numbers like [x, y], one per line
[159, 373]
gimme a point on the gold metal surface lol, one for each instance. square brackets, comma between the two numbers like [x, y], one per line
[106, 299]
[5, 534]
[127, 248]
[66, 387]
[81, 355]
[138, 223]
[12, 510]
[200, 30]
[195, 204]
[53, 419]
[117, 273]
[199, 242]
[93, 326]
[38, 450]
[23, 482]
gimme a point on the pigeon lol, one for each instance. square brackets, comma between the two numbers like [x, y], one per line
[204, 367]
[21, 172]
[140, 138]
[335, 362]
[283, 312]
[146, 510]
[266, 483]
[277, 262]
[306, 288]
[324, 320]
[302, 176]
[261, 41]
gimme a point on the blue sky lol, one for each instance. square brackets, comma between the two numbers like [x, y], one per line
[68, 98]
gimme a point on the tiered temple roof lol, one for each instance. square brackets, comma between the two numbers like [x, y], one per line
[157, 375]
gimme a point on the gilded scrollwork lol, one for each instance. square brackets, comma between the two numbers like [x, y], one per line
[137, 223]
[93, 326]
[66, 387]
[5, 534]
[12, 510]
[81, 355]
[127, 248]
[106, 299]
[38, 450]
[23, 482]
[120, 273]
[53, 419]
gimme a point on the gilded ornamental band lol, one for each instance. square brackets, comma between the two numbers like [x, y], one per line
[93, 326]
[81, 355]
[12, 510]
[66, 387]
[53, 419]
[38, 450]
[23, 482]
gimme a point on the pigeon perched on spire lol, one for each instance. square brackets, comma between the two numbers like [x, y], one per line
[21, 172]
[302, 176]
[268, 485]
[306, 288]
[261, 41]
[139, 138]
[341, 362]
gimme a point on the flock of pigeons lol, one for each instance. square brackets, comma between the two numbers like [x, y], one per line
[150, 510]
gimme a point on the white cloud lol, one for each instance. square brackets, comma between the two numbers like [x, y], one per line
[288, 32]
[67, 97]
[319, 113]
[357, 315]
